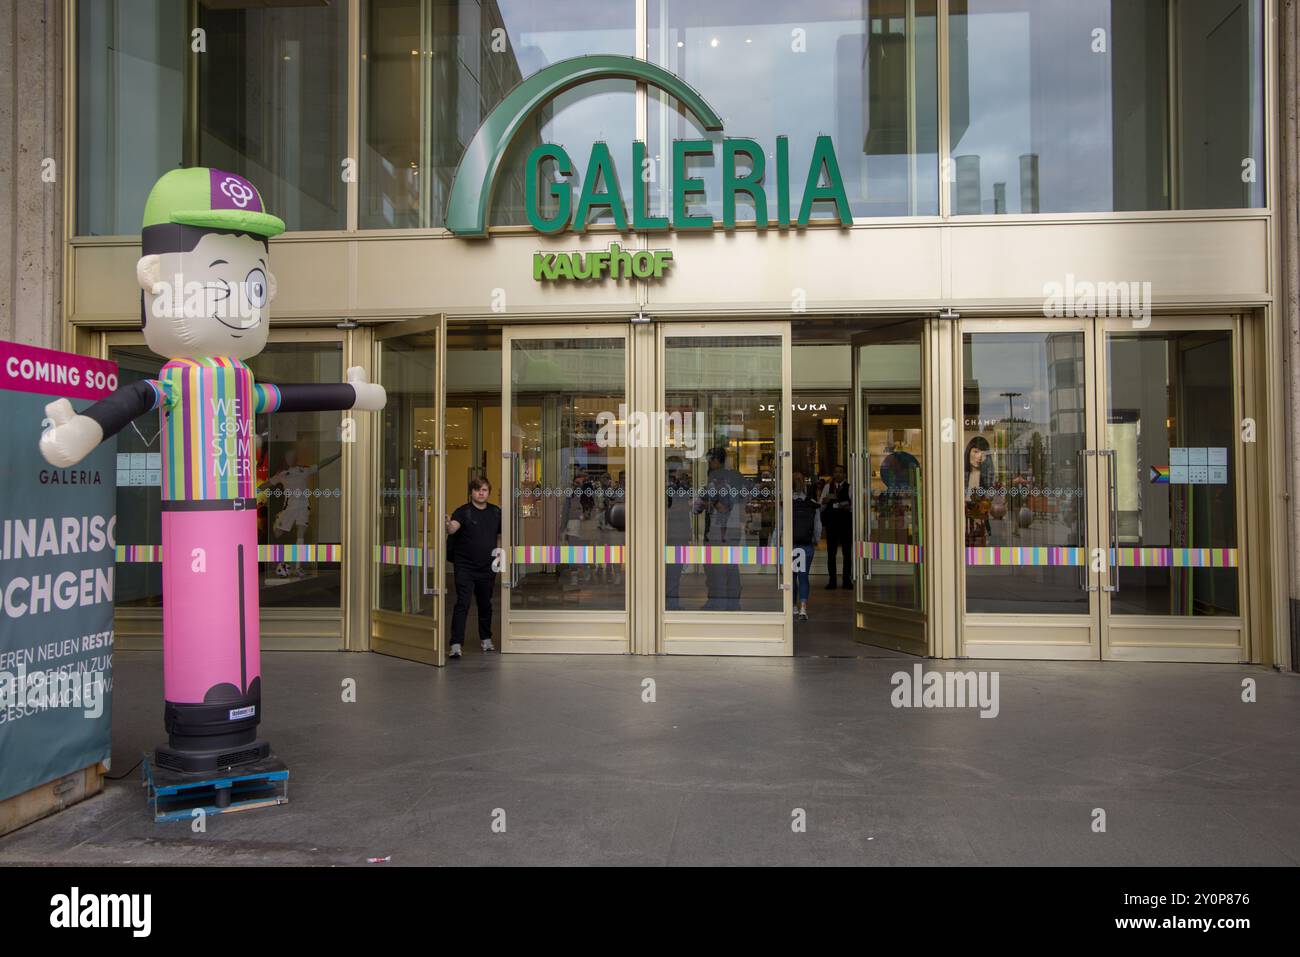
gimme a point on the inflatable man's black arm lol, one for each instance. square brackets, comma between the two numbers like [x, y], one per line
[316, 397]
[129, 402]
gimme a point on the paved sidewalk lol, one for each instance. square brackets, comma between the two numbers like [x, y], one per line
[711, 772]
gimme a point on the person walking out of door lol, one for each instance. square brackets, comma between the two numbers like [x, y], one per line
[807, 531]
[837, 519]
[474, 532]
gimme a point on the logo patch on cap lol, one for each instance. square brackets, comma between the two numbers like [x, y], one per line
[232, 191]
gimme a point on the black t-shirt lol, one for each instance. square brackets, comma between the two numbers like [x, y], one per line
[473, 542]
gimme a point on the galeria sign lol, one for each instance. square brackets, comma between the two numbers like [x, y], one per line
[600, 189]
[549, 168]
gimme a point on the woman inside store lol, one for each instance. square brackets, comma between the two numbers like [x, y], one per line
[977, 490]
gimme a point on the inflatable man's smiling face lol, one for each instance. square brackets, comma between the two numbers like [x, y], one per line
[205, 274]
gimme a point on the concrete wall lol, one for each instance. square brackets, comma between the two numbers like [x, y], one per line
[31, 209]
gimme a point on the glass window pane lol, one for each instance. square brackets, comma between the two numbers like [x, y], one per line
[893, 430]
[392, 70]
[272, 105]
[1024, 426]
[568, 495]
[1220, 103]
[130, 103]
[299, 484]
[860, 71]
[138, 579]
[409, 474]
[1065, 105]
[1169, 419]
[452, 61]
[270, 98]
[722, 402]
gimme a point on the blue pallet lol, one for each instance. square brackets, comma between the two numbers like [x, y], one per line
[175, 795]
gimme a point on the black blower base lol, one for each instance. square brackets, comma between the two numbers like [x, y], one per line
[178, 759]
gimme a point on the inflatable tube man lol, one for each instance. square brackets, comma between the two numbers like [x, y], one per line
[207, 286]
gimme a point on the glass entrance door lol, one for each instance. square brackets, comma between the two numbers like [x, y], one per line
[886, 510]
[1028, 489]
[724, 450]
[406, 619]
[1080, 539]
[1171, 413]
[566, 469]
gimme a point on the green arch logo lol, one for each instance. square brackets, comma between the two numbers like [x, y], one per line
[471, 190]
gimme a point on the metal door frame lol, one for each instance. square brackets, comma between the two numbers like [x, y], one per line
[1165, 637]
[551, 631]
[740, 632]
[1010, 634]
[415, 637]
[909, 630]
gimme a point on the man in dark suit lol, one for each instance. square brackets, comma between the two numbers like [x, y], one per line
[837, 519]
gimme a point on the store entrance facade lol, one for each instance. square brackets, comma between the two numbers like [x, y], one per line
[611, 501]
[1101, 489]
[1043, 488]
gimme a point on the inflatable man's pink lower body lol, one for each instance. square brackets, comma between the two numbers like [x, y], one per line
[212, 682]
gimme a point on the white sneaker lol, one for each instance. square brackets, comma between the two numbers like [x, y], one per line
[455, 652]
[803, 614]
[486, 645]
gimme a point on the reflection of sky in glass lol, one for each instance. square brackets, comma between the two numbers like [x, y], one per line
[999, 364]
[1036, 87]
[578, 118]
[1046, 370]
[591, 112]
[741, 57]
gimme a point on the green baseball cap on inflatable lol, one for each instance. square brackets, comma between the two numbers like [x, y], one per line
[213, 198]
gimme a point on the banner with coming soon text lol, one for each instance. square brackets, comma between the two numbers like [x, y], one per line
[57, 561]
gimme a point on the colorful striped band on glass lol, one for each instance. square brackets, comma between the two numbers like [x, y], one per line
[1174, 557]
[265, 553]
[568, 554]
[300, 553]
[399, 555]
[890, 552]
[1120, 557]
[721, 555]
[1024, 556]
[139, 553]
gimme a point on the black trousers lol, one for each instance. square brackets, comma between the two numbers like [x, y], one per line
[471, 582]
[837, 539]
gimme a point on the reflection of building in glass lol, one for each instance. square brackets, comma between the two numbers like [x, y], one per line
[469, 78]
[966, 199]
[1065, 401]
[1029, 183]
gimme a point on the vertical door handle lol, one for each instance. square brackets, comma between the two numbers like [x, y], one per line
[865, 488]
[426, 554]
[1112, 521]
[508, 581]
[788, 547]
[1085, 578]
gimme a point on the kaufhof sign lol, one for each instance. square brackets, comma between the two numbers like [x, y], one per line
[556, 209]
